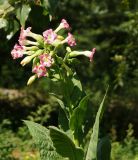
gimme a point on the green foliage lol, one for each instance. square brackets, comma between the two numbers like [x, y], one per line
[111, 27]
[127, 149]
[63, 120]
[77, 91]
[43, 141]
[78, 115]
[77, 119]
[72, 88]
[64, 145]
[22, 14]
[92, 148]
[15, 147]
[49, 6]
[15, 13]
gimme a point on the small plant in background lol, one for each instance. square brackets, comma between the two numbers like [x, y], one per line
[67, 141]
[126, 150]
[12, 147]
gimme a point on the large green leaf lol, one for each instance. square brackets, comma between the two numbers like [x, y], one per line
[43, 141]
[92, 148]
[77, 119]
[22, 13]
[78, 114]
[104, 149]
[64, 145]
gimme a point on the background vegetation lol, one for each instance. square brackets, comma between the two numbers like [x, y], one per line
[111, 27]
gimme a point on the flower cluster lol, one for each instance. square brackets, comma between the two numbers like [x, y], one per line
[41, 49]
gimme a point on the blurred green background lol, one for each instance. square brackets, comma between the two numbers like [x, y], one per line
[109, 26]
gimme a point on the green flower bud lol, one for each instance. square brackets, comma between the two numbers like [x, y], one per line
[28, 59]
[31, 79]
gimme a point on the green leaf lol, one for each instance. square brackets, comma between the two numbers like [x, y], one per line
[22, 13]
[92, 148]
[43, 141]
[72, 90]
[104, 149]
[12, 28]
[5, 8]
[78, 114]
[64, 145]
[63, 120]
[49, 5]
[77, 90]
[77, 119]
[60, 102]
[63, 115]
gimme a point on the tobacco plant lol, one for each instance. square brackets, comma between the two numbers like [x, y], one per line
[52, 56]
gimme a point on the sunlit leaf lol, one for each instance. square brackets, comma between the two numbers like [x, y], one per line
[64, 145]
[92, 148]
[78, 114]
[43, 141]
[22, 13]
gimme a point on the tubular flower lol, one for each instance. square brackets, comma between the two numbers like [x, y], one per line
[46, 60]
[49, 36]
[40, 70]
[88, 54]
[70, 40]
[17, 51]
[64, 24]
[92, 54]
[23, 35]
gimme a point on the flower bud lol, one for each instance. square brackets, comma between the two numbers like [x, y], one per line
[26, 60]
[60, 37]
[31, 79]
[32, 48]
[68, 49]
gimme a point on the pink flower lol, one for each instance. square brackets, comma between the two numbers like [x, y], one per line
[65, 24]
[71, 40]
[49, 36]
[40, 70]
[46, 60]
[23, 35]
[92, 54]
[88, 54]
[17, 51]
